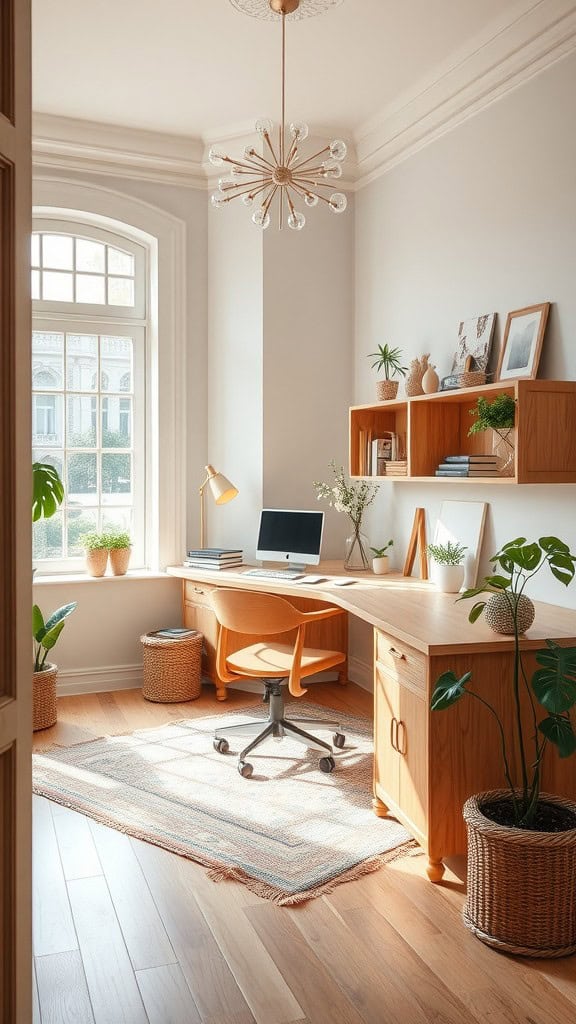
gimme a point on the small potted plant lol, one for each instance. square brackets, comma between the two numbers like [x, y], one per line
[380, 560]
[389, 360]
[522, 842]
[499, 417]
[45, 635]
[120, 547]
[447, 566]
[96, 552]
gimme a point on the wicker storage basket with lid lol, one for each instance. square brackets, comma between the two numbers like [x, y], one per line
[172, 666]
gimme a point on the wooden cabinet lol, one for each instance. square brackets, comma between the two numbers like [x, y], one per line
[437, 425]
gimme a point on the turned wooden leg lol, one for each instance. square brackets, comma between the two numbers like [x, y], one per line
[435, 869]
[221, 693]
[343, 674]
[379, 807]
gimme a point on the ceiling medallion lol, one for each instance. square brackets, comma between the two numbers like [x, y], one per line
[264, 10]
[281, 172]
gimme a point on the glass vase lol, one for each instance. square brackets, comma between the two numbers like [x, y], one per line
[356, 558]
[503, 447]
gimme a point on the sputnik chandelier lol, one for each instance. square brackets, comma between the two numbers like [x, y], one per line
[280, 172]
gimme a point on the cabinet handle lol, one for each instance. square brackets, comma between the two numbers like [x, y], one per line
[402, 747]
[394, 733]
[396, 654]
[198, 590]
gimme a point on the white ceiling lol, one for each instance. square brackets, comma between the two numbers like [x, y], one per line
[201, 68]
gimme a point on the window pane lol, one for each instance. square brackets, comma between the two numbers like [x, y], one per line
[81, 422]
[120, 262]
[82, 480]
[81, 362]
[90, 288]
[116, 479]
[120, 291]
[35, 250]
[47, 360]
[57, 287]
[53, 458]
[47, 425]
[117, 518]
[116, 363]
[90, 256]
[80, 521]
[116, 422]
[57, 252]
[47, 537]
[35, 284]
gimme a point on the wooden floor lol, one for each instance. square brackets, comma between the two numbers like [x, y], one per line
[125, 932]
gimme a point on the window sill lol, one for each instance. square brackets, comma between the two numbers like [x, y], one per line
[82, 577]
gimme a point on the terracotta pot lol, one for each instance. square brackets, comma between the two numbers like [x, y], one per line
[119, 559]
[380, 565]
[448, 578]
[44, 698]
[499, 615]
[521, 883]
[96, 561]
[386, 389]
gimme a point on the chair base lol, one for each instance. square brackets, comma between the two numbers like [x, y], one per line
[278, 726]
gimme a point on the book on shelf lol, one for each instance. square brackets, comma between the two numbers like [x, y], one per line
[214, 552]
[442, 471]
[205, 563]
[470, 459]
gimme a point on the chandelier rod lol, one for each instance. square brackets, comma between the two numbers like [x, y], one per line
[283, 87]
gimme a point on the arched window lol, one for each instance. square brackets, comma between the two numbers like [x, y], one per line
[88, 371]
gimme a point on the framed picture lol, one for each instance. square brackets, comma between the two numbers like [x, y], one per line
[522, 342]
[474, 342]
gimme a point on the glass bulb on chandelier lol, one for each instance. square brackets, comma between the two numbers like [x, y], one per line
[310, 199]
[338, 149]
[261, 218]
[331, 169]
[264, 126]
[215, 158]
[299, 130]
[338, 202]
[296, 220]
[217, 199]
[248, 199]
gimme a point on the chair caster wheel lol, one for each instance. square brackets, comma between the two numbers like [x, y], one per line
[338, 740]
[327, 764]
[245, 769]
[221, 746]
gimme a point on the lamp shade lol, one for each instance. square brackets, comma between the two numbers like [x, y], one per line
[221, 488]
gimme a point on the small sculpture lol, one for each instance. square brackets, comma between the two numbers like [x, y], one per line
[418, 368]
[430, 380]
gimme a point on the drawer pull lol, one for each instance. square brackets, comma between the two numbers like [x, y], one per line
[396, 654]
[401, 745]
[198, 590]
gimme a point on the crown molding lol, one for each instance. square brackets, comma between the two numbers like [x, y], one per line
[66, 143]
[508, 54]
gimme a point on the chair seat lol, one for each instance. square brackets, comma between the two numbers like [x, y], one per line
[272, 659]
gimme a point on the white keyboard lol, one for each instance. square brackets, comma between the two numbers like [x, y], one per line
[274, 574]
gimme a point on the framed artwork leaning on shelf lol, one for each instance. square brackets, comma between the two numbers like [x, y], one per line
[522, 343]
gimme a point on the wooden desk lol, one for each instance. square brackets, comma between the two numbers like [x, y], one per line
[425, 764]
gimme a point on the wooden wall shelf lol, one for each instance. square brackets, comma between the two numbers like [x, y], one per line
[437, 425]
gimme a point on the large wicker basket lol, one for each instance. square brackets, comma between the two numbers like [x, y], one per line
[44, 698]
[172, 667]
[521, 884]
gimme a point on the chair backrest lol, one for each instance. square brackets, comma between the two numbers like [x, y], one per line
[246, 611]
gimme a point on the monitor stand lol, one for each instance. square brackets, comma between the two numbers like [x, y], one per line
[296, 566]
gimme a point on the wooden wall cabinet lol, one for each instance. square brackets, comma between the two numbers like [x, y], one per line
[437, 425]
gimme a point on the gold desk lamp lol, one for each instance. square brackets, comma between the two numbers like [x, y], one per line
[222, 492]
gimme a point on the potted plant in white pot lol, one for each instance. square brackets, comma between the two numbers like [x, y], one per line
[95, 552]
[499, 417]
[389, 360]
[447, 570]
[45, 635]
[521, 841]
[120, 547]
[380, 560]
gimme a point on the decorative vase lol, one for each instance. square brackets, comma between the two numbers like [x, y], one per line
[386, 389]
[119, 559]
[44, 698]
[520, 881]
[504, 447]
[448, 578]
[380, 565]
[357, 547]
[96, 561]
[430, 381]
[499, 613]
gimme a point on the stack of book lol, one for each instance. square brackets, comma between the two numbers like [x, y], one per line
[394, 467]
[213, 558]
[468, 466]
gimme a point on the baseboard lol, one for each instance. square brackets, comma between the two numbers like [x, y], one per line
[98, 680]
[361, 673]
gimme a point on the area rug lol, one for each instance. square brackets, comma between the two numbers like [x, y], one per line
[289, 833]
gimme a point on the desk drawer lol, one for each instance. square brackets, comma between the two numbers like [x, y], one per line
[198, 593]
[405, 663]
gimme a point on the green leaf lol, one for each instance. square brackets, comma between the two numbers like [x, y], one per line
[52, 635]
[553, 544]
[555, 683]
[513, 544]
[527, 557]
[448, 690]
[37, 623]
[499, 582]
[61, 613]
[47, 490]
[559, 731]
[476, 611]
[562, 567]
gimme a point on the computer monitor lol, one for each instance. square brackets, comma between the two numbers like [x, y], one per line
[291, 536]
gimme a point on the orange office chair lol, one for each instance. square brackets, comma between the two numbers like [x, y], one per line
[247, 612]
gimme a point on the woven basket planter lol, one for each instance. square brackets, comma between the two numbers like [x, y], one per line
[499, 615]
[172, 668]
[96, 561]
[119, 560]
[521, 894]
[472, 379]
[44, 698]
[386, 389]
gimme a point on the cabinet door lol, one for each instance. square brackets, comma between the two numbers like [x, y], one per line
[202, 618]
[413, 750]
[386, 757]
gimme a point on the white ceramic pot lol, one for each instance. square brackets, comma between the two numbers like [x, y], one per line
[448, 578]
[380, 565]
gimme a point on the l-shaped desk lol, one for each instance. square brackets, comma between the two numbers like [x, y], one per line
[426, 764]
